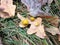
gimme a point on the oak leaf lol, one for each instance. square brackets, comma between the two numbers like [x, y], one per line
[34, 6]
[38, 30]
[7, 9]
[53, 30]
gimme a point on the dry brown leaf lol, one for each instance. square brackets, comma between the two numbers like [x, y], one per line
[54, 21]
[7, 9]
[32, 29]
[53, 30]
[20, 24]
[59, 34]
[38, 30]
[41, 33]
[21, 18]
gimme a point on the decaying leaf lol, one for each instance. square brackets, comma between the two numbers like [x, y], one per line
[33, 28]
[36, 26]
[59, 35]
[41, 33]
[53, 30]
[38, 30]
[21, 18]
[7, 9]
[54, 20]
[34, 6]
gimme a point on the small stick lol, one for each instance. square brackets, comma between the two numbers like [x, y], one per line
[1, 41]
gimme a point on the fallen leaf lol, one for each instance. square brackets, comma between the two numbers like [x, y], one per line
[38, 30]
[41, 33]
[7, 8]
[20, 24]
[54, 21]
[32, 30]
[53, 30]
[34, 6]
[21, 18]
[59, 34]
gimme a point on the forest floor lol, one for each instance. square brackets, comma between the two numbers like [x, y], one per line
[12, 34]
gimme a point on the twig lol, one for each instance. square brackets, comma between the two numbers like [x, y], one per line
[0, 41]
